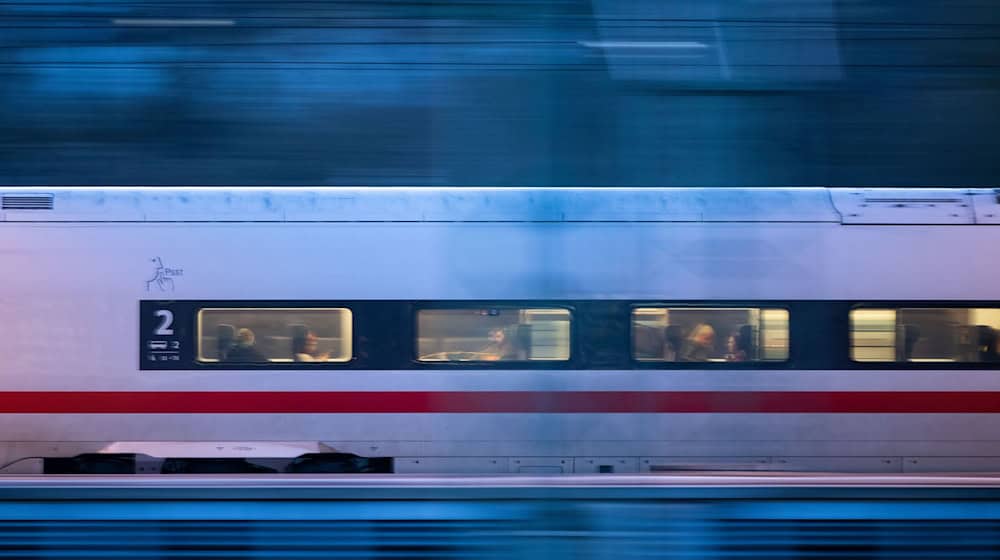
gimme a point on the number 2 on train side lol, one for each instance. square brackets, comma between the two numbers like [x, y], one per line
[166, 321]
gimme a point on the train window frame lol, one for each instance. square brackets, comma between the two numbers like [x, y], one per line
[572, 362]
[819, 335]
[274, 364]
[895, 305]
[787, 363]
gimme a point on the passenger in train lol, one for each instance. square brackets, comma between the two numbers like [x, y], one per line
[669, 353]
[990, 351]
[734, 348]
[305, 349]
[699, 345]
[244, 349]
[911, 336]
[673, 343]
[500, 347]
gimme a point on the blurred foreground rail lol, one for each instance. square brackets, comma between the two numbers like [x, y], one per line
[689, 515]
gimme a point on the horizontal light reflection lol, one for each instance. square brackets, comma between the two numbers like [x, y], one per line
[174, 22]
[644, 44]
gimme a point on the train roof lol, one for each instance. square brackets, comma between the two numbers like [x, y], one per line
[501, 204]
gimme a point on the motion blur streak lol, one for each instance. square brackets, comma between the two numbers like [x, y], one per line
[173, 22]
[324, 519]
[544, 92]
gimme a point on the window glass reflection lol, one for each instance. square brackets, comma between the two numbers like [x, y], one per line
[967, 335]
[493, 335]
[662, 334]
[265, 335]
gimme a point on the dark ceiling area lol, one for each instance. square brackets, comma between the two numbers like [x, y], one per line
[519, 93]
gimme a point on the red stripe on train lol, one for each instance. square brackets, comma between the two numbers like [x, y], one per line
[289, 402]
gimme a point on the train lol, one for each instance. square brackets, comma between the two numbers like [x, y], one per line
[499, 330]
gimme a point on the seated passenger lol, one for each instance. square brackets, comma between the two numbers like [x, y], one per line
[734, 349]
[499, 348]
[699, 345]
[305, 349]
[244, 350]
[987, 343]
[996, 346]
[911, 336]
[669, 353]
[674, 343]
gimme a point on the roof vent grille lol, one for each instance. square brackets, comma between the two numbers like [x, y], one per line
[884, 200]
[27, 202]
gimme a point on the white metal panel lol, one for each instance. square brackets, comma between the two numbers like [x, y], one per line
[450, 465]
[354, 204]
[606, 465]
[911, 262]
[665, 464]
[839, 464]
[904, 206]
[690, 434]
[441, 261]
[951, 464]
[987, 207]
[540, 465]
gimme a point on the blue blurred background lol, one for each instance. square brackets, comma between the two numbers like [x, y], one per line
[522, 92]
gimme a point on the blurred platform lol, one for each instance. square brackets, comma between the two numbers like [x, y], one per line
[689, 515]
[533, 93]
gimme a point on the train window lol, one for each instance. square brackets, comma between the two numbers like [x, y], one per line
[493, 335]
[925, 335]
[272, 335]
[688, 334]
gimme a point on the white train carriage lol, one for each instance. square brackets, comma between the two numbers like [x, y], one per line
[503, 330]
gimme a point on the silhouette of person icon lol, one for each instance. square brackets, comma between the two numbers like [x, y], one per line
[160, 278]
